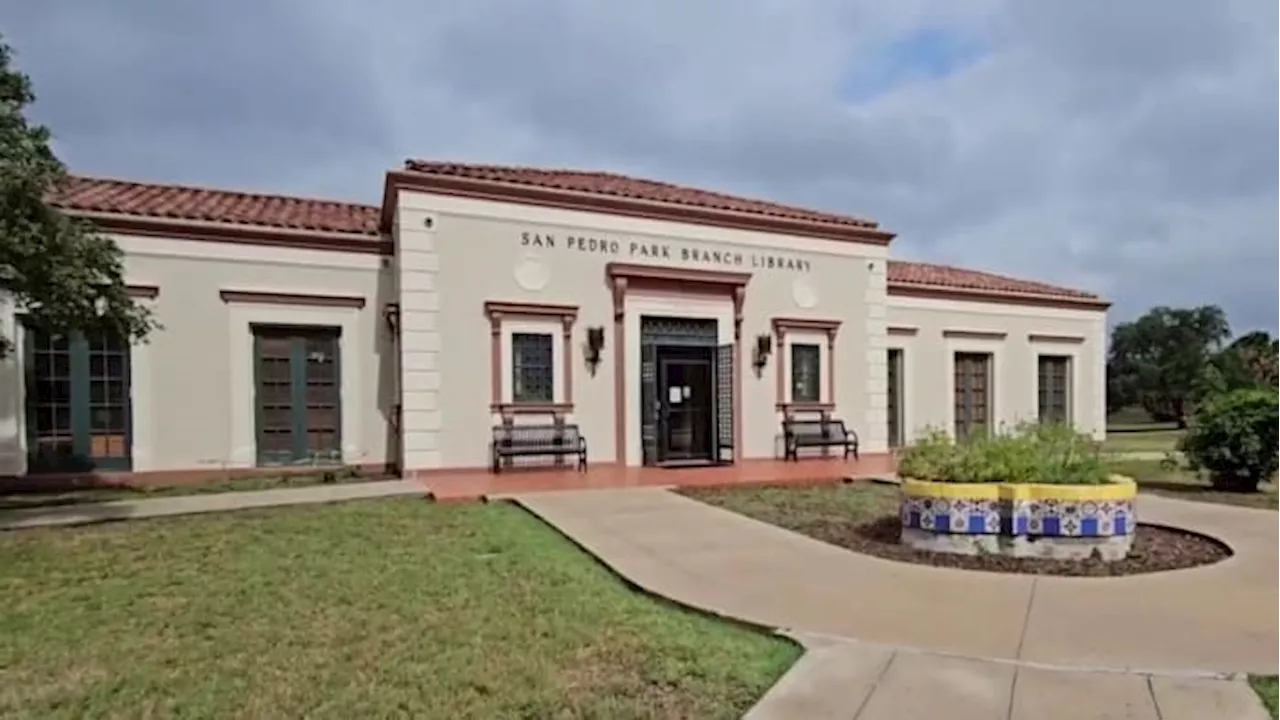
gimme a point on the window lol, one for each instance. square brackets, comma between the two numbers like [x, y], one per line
[972, 393]
[78, 403]
[532, 368]
[1054, 389]
[893, 404]
[806, 375]
[298, 395]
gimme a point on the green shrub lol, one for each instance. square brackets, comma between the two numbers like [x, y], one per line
[1030, 453]
[1234, 437]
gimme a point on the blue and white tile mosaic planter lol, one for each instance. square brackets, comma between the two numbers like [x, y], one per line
[1020, 519]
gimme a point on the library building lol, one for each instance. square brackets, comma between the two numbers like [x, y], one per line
[484, 318]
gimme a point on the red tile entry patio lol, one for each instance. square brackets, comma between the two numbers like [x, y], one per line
[471, 485]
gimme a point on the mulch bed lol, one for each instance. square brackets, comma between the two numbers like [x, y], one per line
[1154, 549]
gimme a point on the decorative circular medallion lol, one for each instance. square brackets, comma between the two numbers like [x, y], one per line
[804, 294]
[532, 274]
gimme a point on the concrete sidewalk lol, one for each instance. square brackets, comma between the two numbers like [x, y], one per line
[84, 513]
[839, 679]
[1102, 636]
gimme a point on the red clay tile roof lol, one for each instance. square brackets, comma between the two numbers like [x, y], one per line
[602, 183]
[174, 202]
[942, 276]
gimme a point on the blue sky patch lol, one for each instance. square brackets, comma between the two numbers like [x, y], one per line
[927, 53]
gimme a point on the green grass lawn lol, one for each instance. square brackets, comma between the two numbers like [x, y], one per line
[369, 609]
[1152, 476]
[1265, 685]
[1141, 439]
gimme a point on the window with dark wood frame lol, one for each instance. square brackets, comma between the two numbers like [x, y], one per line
[893, 400]
[972, 393]
[298, 395]
[532, 368]
[1054, 388]
[78, 403]
[806, 373]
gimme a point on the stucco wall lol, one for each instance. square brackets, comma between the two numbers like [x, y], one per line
[192, 383]
[919, 327]
[483, 251]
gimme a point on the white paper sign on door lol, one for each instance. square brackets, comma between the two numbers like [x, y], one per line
[674, 396]
[687, 392]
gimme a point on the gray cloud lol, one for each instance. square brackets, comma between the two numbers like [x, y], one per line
[1129, 148]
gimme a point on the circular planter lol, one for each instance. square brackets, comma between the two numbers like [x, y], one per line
[1061, 522]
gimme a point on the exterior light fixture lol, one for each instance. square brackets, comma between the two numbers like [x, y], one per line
[391, 316]
[764, 348]
[595, 343]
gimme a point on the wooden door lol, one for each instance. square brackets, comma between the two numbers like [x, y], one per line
[893, 404]
[298, 395]
[972, 394]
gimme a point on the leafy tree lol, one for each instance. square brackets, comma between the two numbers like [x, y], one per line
[1251, 360]
[60, 273]
[1160, 360]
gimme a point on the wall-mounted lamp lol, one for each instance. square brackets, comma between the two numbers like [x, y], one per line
[595, 343]
[764, 348]
[391, 316]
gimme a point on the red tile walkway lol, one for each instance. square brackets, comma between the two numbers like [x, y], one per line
[470, 485]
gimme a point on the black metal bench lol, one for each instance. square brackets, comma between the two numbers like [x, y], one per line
[560, 440]
[825, 432]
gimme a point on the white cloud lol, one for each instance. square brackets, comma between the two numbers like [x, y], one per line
[1128, 147]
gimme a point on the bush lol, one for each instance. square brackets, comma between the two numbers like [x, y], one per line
[1234, 437]
[1031, 453]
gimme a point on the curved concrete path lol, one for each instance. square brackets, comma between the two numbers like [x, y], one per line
[1076, 633]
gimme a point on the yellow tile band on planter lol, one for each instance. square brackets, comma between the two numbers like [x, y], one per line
[1020, 519]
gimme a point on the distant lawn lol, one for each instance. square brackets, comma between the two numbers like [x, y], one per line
[370, 609]
[10, 501]
[1141, 439]
[1183, 484]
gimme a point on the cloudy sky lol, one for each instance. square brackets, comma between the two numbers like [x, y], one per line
[1124, 147]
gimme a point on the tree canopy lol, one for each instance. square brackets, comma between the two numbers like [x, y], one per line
[1159, 360]
[60, 273]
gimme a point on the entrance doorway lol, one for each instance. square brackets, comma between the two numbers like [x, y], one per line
[686, 392]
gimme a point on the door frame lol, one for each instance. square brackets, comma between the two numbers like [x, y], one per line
[298, 336]
[623, 277]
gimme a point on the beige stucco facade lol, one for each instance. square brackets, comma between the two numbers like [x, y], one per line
[192, 389]
[456, 254]
[930, 332]
[426, 327]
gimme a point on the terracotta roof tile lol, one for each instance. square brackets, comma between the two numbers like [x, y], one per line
[174, 202]
[929, 275]
[602, 183]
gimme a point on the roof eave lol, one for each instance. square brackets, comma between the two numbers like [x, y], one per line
[186, 229]
[616, 205]
[949, 292]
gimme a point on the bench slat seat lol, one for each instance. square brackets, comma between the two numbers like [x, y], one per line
[559, 440]
[825, 432]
